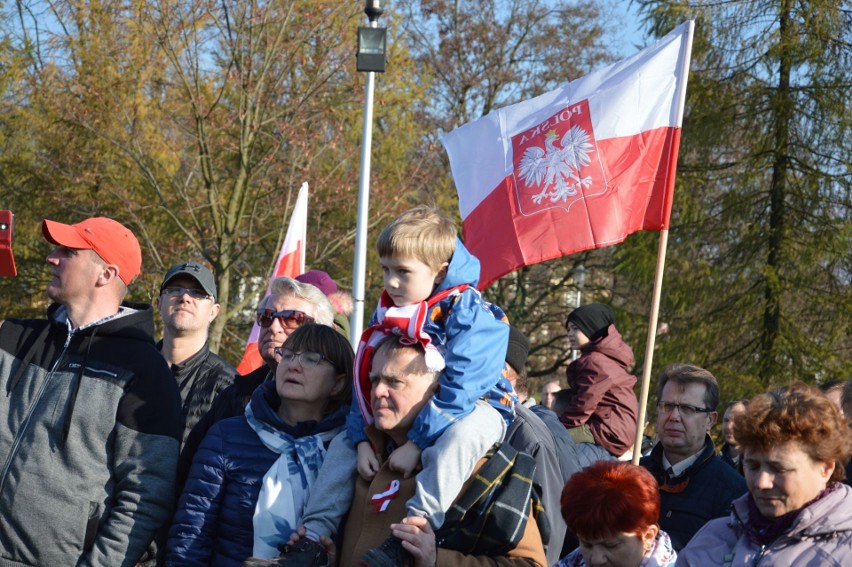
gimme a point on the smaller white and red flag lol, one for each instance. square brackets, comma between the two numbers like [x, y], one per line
[291, 263]
[576, 168]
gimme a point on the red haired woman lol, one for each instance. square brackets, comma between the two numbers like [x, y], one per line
[613, 507]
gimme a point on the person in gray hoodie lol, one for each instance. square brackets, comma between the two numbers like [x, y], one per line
[90, 411]
[797, 510]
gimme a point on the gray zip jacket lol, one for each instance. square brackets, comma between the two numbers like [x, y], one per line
[90, 425]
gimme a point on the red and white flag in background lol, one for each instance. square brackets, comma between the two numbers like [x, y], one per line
[577, 168]
[291, 263]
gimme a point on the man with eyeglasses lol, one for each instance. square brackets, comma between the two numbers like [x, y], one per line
[695, 484]
[187, 305]
[289, 305]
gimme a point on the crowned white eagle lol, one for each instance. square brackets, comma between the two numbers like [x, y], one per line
[557, 167]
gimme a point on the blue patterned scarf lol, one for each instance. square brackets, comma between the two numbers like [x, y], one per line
[286, 485]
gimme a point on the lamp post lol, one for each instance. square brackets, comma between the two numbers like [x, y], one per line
[372, 41]
[579, 274]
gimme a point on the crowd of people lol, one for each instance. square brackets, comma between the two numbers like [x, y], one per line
[421, 447]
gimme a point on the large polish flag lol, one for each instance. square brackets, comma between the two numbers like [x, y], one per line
[577, 168]
[291, 263]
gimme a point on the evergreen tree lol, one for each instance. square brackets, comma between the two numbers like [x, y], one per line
[758, 275]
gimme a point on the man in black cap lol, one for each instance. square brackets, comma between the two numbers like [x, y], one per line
[187, 305]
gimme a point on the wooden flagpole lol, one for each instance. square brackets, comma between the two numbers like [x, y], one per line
[661, 260]
[649, 346]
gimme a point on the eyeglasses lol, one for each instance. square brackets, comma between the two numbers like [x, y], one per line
[307, 359]
[289, 318]
[179, 291]
[685, 410]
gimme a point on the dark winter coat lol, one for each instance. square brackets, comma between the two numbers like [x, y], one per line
[602, 393]
[213, 523]
[231, 402]
[703, 492]
[200, 378]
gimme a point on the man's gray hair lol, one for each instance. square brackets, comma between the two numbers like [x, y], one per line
[323, 311]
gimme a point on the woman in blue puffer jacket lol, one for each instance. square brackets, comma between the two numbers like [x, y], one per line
[252, 474]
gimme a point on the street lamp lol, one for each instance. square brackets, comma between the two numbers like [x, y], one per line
[579, 274]
[372, 41]
[370, 58]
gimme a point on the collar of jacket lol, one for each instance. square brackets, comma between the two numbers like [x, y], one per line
[679, 483]
[190, 364]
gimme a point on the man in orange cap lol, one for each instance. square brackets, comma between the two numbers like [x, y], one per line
[91, 413]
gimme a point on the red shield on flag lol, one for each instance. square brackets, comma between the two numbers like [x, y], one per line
[556, 163]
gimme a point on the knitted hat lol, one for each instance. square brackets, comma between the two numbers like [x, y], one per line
[319, 279]
[519, 348]
[593, 319]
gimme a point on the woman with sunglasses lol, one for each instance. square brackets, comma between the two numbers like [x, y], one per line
[252, 474]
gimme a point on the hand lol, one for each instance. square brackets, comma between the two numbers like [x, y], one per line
[405, 459]
[368, 464]
[296, 536]
[418, 539]
[331, 549]
[327, 543]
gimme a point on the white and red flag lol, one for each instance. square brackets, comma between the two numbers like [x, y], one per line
[577, 168]
[291, 263]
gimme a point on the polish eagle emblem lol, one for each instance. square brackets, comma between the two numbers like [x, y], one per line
[557, 167]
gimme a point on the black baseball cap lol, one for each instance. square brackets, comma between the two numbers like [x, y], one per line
[193, 270]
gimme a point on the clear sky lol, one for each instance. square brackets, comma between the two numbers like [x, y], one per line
[628, 35]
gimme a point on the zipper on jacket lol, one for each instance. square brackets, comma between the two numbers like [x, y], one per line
[25, 425]
[759, 556]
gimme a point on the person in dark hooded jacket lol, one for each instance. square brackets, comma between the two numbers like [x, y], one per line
[602, 408]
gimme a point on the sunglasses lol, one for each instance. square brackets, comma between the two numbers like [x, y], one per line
[289, 318]
[179, 291]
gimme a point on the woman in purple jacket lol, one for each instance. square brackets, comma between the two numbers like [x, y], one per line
[797, 511]
[602, 408]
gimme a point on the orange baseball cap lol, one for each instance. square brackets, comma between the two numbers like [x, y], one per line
[109, 239]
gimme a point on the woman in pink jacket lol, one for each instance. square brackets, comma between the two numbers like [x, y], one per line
[797, 511]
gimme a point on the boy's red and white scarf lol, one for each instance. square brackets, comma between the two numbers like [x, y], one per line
[407, 322]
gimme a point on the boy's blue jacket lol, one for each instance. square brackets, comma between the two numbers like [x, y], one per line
[473, 335]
